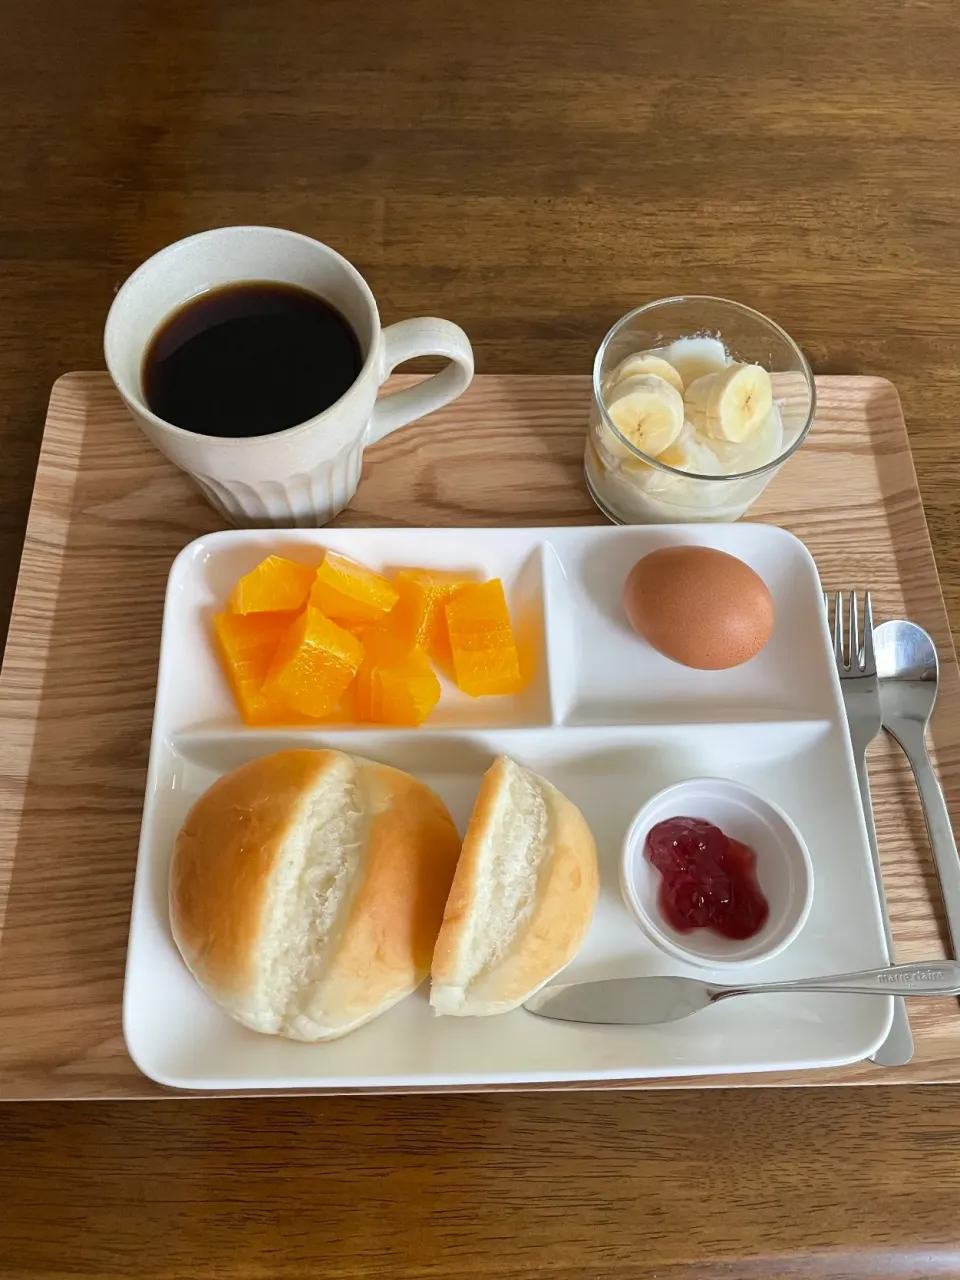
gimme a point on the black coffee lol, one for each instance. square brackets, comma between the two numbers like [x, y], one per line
[248, 360]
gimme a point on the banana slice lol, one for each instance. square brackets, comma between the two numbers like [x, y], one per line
[648, 412]
[687, 453]
[642, 362]
[730, 405]
[764, 445]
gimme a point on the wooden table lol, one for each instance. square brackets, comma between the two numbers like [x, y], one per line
[530, 170]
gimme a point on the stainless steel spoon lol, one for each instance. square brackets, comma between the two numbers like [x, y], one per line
[907, 669]
[645, 1001]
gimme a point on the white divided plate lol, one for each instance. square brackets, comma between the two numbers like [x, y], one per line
[608, 721]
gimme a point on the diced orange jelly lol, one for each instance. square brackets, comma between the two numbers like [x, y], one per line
[419, 614]
[313, 666]
[396, 684]
[247, 643]
[485, 657]
[350, 593]
[275, 585]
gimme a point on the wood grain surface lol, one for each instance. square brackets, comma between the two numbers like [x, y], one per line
[530, 170]
[110, 513]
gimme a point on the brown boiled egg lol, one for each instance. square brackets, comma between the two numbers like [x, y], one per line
[700, 607]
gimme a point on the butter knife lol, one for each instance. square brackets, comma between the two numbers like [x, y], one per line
[640, 1002]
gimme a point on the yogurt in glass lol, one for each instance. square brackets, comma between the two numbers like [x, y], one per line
[692, 425]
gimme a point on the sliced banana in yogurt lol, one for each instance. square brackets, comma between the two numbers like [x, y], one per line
[757, 450]
[647, 410]
[686, 454]
[731, 405]
[642, 362]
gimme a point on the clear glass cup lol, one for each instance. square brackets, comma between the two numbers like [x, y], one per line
[631, 488]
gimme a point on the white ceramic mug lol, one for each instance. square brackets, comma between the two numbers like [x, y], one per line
[306, 474]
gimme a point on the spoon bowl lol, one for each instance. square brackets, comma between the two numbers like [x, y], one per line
[908, 668]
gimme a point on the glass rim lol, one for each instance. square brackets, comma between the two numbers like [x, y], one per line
[744, 310]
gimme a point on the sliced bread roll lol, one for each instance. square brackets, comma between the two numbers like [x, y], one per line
[307, 889]
[522, 898]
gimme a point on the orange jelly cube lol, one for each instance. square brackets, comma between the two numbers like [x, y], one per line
[396, 684]
[275, 585]
[246, 644]
[420, 616]
[349, 593]
[485, 657]
[313, 666]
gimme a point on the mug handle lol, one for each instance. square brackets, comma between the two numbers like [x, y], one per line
[426, 336]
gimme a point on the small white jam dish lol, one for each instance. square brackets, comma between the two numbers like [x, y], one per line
[783, 869]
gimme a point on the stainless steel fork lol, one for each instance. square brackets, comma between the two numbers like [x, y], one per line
[857, 669]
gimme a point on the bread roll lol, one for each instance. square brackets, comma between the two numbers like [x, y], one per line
[522, 898]
[307, 889]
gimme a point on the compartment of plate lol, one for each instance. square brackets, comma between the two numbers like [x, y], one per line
[178, 1036]
[205, 572]
[605, 675]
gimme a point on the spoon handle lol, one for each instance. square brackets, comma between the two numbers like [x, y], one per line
[933, 978]
[935, 815]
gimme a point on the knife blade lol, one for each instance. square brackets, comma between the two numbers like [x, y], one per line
[622, 1001]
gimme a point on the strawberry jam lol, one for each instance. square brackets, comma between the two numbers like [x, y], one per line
[709, 881]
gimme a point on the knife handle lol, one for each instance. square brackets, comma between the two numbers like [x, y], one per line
[927, 978]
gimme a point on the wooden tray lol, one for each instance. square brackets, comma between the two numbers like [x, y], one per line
[77, 686]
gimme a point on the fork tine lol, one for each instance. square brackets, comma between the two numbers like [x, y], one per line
[869, 664]
[838, 629]
[854, 651]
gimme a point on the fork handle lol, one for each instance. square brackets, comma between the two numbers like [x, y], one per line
[897, 1049]
[935, 815]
